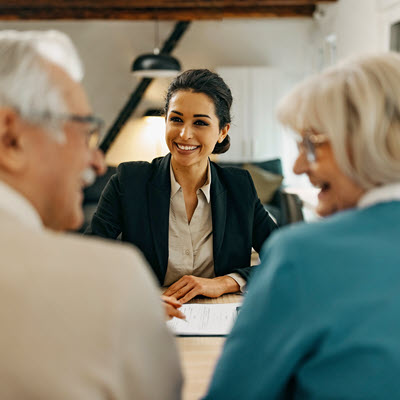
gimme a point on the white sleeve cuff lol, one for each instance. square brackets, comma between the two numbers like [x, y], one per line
[240, 281]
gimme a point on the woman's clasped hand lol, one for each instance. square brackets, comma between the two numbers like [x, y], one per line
[190, 286]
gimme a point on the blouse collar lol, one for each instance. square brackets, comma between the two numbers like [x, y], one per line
[380, 194]
[175, 186]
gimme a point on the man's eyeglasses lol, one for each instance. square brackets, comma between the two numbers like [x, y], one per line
[93, 126]
[308, 143]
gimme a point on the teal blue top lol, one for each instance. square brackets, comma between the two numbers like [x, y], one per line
[322, 316]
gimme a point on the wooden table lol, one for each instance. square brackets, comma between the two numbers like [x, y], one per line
[200, 354]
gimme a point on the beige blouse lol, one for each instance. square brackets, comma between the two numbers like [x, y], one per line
[191, 245]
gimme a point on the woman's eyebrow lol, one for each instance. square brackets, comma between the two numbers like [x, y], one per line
[194, 115]
[201, 115]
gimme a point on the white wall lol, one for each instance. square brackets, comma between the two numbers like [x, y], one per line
[355, 23]
[389, 13]
[360, 25]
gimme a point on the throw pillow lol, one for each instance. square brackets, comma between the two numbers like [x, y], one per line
[266, 183]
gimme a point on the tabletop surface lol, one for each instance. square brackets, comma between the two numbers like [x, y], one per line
[200, 354]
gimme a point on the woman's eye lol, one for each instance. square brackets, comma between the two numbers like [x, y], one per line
[201, 122]
[175, 119]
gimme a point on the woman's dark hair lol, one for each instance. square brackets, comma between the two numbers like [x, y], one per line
[212, 85]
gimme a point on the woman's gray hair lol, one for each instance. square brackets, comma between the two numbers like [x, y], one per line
[25, 81]
[356, 104]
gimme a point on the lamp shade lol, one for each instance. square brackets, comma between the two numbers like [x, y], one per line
[154, 112]
[156, 65]
[140, 139]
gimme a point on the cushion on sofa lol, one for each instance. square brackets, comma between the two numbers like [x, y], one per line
[266, 182]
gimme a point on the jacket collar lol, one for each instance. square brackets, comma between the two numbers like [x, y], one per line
[159, 191]
[218, 209]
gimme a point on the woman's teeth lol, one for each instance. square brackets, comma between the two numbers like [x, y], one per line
[186, 147]
[322, 186]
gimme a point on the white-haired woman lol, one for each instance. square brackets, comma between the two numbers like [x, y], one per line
[322, 317]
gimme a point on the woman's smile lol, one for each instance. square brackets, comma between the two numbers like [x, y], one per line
[186, 148]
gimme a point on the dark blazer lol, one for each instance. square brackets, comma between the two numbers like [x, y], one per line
[136, 203]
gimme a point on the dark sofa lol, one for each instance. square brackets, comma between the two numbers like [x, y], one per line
[285, 207]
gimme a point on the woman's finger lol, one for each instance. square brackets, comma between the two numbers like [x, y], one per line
[175, 287]
[182, 292]
[171, 300]
[190, 295]
[173, 312]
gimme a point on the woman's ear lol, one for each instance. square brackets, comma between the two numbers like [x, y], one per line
[222, 134]
[11, 140]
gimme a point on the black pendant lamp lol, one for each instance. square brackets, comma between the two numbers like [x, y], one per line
[156, 64]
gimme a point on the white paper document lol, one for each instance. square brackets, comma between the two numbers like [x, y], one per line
[205, 319]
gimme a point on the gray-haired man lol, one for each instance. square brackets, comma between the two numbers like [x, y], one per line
[81, 318]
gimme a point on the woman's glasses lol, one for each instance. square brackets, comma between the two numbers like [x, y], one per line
[308, 143]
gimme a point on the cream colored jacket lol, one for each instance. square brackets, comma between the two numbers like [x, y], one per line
[80, 318]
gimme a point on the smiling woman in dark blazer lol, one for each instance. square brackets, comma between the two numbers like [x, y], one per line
[194, 221]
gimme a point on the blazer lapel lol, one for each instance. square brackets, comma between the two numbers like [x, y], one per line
[159, 191]
[218, 210]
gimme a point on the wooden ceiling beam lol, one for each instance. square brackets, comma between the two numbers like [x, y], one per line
[183, 14]
[155, 9]
[157, 3]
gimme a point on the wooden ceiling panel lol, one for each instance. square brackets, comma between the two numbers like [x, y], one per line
[155, 9]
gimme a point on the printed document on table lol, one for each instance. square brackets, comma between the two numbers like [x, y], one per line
[205, 320]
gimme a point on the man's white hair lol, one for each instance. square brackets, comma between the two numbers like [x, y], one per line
[25, 81]
[357, 105]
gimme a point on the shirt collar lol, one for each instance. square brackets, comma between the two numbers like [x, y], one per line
[17, 205]
[175, 186]
[207, 186]
[380, 194]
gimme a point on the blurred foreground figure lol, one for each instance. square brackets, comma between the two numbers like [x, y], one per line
[80, 318]
[321, 320]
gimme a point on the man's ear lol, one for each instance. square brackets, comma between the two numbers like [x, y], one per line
[223, 133]
[12, 157]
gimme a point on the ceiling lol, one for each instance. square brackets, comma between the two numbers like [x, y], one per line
[155, 9]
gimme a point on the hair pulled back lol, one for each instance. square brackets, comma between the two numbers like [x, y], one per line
[212, 85]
